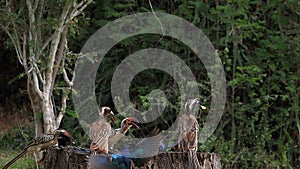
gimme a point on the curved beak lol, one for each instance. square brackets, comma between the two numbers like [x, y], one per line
[134, 122]
[201, 106]
[112, 116]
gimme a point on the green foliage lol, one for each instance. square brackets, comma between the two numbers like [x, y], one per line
[260, 128]
[12, 143]
[16, 139]
[26, 162]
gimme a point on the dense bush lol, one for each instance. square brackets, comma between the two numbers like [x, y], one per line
[258, 42]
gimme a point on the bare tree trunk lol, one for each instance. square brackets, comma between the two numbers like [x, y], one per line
[37, 109]
[48, 115]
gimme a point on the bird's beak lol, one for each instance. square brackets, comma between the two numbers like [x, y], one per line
[202, 107]
[112, 116]
[134, 122]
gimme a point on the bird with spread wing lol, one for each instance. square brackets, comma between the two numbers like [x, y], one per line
[118, 134]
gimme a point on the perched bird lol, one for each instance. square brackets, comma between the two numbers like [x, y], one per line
[119, 133]
[38, 144]
[100, 132]
[188, 132]
[64, 139]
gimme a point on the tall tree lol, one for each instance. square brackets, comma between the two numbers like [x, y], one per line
[38, 31]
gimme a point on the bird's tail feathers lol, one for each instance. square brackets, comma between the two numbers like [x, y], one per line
[15, 159]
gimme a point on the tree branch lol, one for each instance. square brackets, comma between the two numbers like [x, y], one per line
[79, 8]
[35, 5]
[53, 50]
[66, 78]
[48, 41]
[63, 108]
[59, 56]
[36, 84]
[15, 43]
[38, 72]
[161, 26]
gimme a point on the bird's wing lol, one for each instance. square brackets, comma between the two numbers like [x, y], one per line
[99, 133]
[114, 137]
[188, 133]
[41, 142]
[192, 136]
[184, 126]
[148, 146]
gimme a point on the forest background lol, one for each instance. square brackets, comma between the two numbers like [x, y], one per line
[257, 41]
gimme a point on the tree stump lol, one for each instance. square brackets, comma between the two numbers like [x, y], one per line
[66, 158]
[77, 158]
[179, 160]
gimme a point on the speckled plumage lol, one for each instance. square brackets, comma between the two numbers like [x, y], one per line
[188, 132]
[100, 132]
[37, 144]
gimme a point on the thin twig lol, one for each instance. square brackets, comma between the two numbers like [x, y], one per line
[161, 26]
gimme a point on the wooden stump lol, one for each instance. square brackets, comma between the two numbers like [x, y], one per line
[77, 158]
[179, 160]
[66, 158]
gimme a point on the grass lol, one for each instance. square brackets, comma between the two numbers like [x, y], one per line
[26, 162]
[11, 144]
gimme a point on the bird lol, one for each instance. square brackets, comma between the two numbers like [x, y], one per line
[138, 153]
[38, 144]
[100, 132]
[119, 133]
[188, 127]
[121, 160]
[64, 139]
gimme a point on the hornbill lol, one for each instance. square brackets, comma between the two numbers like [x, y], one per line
[64, 139]
[119, 133]
[39, 143]
[115, 136]
[100, 132]
[188, 132]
